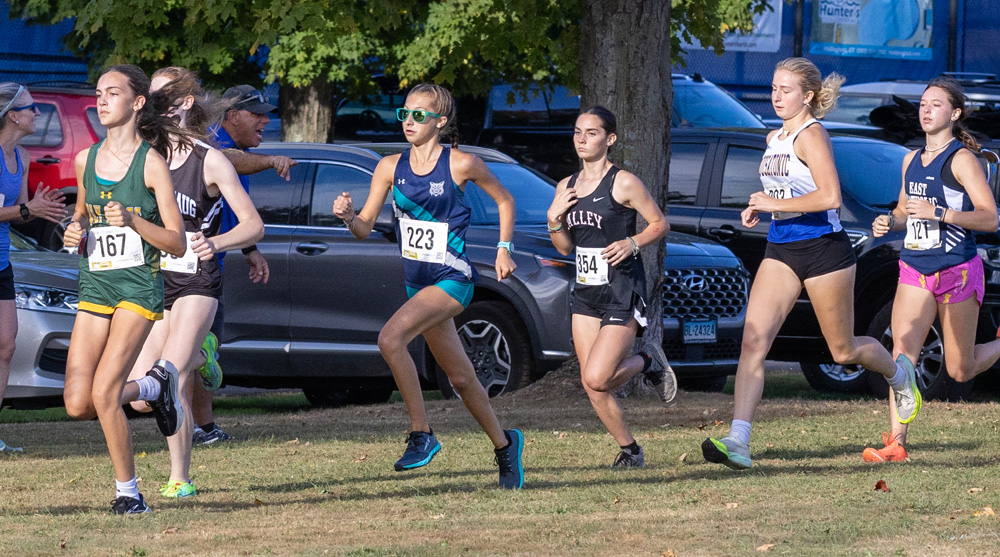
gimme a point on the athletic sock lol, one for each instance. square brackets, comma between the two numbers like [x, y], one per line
[207, 427]
[127, 489]
[740, 430]
[647, 360]
[899, 379]
[632, 449]
[149, 388]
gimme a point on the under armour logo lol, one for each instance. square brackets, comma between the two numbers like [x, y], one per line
[108, 195]
[437, 188]
[401, 181]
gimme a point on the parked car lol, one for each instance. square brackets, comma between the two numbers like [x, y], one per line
[67, 123]
[713, 173]
[45, 285]
[315, 324]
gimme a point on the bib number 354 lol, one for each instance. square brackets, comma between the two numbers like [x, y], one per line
[591, 267]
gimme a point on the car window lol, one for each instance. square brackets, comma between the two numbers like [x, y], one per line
[369, 119]
[48, 128]
[686, 160]
[95, 124]
[703, 105]
[741, 176]
[532, 196]
[274, 196]
[870, 172]
[538, 107]
[332, 180]
[855, 109]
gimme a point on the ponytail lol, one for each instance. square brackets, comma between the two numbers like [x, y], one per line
[155, 128]
[824, 90]
[444, 104]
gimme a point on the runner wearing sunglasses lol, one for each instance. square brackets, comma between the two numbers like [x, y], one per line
[427, 183]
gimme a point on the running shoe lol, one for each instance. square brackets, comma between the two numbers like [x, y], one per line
[659, 377]
[202, 437]
[5, 448]
[211, 372]
[178, 489]
[167, 406]
[908, 399]
[130, 505]
[420, 449]
[892, 452]
[508, 459]
[628, 460]
[729, 451]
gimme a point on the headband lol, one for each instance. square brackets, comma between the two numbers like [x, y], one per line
[20, 89]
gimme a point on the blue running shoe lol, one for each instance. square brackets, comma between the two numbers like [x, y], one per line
[420, 449]
[508, 459]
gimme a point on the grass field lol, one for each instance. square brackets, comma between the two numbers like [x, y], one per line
[317, 482]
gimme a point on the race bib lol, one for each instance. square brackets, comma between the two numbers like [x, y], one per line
[591, 268]
[780, 191]
[423, 241]
[187, 263]
[114, 247]
[922, 234]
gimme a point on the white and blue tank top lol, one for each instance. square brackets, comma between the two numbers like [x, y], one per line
[431, 222]
[931, 246]
[784, 176]
[10, 189]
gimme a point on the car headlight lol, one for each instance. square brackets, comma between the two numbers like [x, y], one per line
[44, 298]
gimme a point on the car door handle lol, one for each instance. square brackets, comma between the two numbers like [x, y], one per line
[312, 248]
[723, 233]
[48, 160]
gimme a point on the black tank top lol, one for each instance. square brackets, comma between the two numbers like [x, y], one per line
[596, 221]
[199, 210]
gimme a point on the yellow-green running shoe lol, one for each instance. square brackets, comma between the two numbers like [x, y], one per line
[178, 489]
[211, 372]
[908, 399]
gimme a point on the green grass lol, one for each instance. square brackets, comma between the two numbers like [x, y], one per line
[314, 482]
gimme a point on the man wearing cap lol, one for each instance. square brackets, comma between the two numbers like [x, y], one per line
[241, 130]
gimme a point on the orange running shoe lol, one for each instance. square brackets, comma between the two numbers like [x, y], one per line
[892, 452]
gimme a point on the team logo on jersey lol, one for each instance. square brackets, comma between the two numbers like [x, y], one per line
[108, 196]
[437, 188]
[401, 181]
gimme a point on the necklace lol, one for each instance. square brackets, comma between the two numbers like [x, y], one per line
[929, 150]
[115, 155]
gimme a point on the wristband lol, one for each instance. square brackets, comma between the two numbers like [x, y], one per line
[554, 230]
[892, 219]
[635, 246]
[25, 214]
[249, 249]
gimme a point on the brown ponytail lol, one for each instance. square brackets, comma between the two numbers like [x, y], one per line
[155, 128]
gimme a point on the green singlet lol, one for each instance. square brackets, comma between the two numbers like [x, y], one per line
[119, 269]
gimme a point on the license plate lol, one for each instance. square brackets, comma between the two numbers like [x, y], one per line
[699, 332]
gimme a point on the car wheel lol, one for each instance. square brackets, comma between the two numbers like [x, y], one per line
[336, 397]
[497, 346]
[932, 375]
[52, 233]
[835, 378]
[703, 384]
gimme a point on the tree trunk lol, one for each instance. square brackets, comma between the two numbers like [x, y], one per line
[625, 66]
[307, 112]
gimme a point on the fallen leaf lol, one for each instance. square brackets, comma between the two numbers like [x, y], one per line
[649, 435]
[258, 502]
[732, 505]
[308, 443]
[765, 547]
[62, 544]
[701, 427]
[718, 423]
[683, 457]
[975, 490]
[293, 441]
[802, 415]
[876, 412]
[769, 445]
[881, 486]
[562, 435]
[361, 458]
[987, 511]
[438, 516]
[142, 454]
[172, 530]
[669, 553]
[843, 438]
[616, 501]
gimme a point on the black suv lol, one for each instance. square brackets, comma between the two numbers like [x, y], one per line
[713, 173]
[315, 324]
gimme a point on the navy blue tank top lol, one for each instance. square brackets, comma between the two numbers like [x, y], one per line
[936, 184]
[423, 205]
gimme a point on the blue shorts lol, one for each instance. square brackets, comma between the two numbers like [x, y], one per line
[461, 291]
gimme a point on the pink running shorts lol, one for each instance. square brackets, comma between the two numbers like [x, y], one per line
[951, 285]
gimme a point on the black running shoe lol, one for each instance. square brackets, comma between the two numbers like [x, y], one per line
[508, 459]
[167, 406]
[659, 377]
[202, 437]
[628, 460]
[420, 449]
[130, 505]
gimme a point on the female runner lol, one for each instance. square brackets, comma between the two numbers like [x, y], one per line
[594, 212]
[806, 246]
[427, 183]
[192, 284]
[126, 204]
[943, 201]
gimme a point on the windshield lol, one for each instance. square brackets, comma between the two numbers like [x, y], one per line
[703, 105]
[22, 243]
[871, 172]
[855, 109]
[532, 195]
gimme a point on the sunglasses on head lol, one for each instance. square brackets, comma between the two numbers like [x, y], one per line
[25, 107]
[419, 116]
[254, 95]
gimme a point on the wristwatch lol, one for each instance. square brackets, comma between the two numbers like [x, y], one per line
[939, 212]
[25, 213]
[509, 246]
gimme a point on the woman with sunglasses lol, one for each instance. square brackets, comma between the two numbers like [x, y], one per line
[593, 213]
[203, 177]
[17, 120]
[127, 207]
[427, 183]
